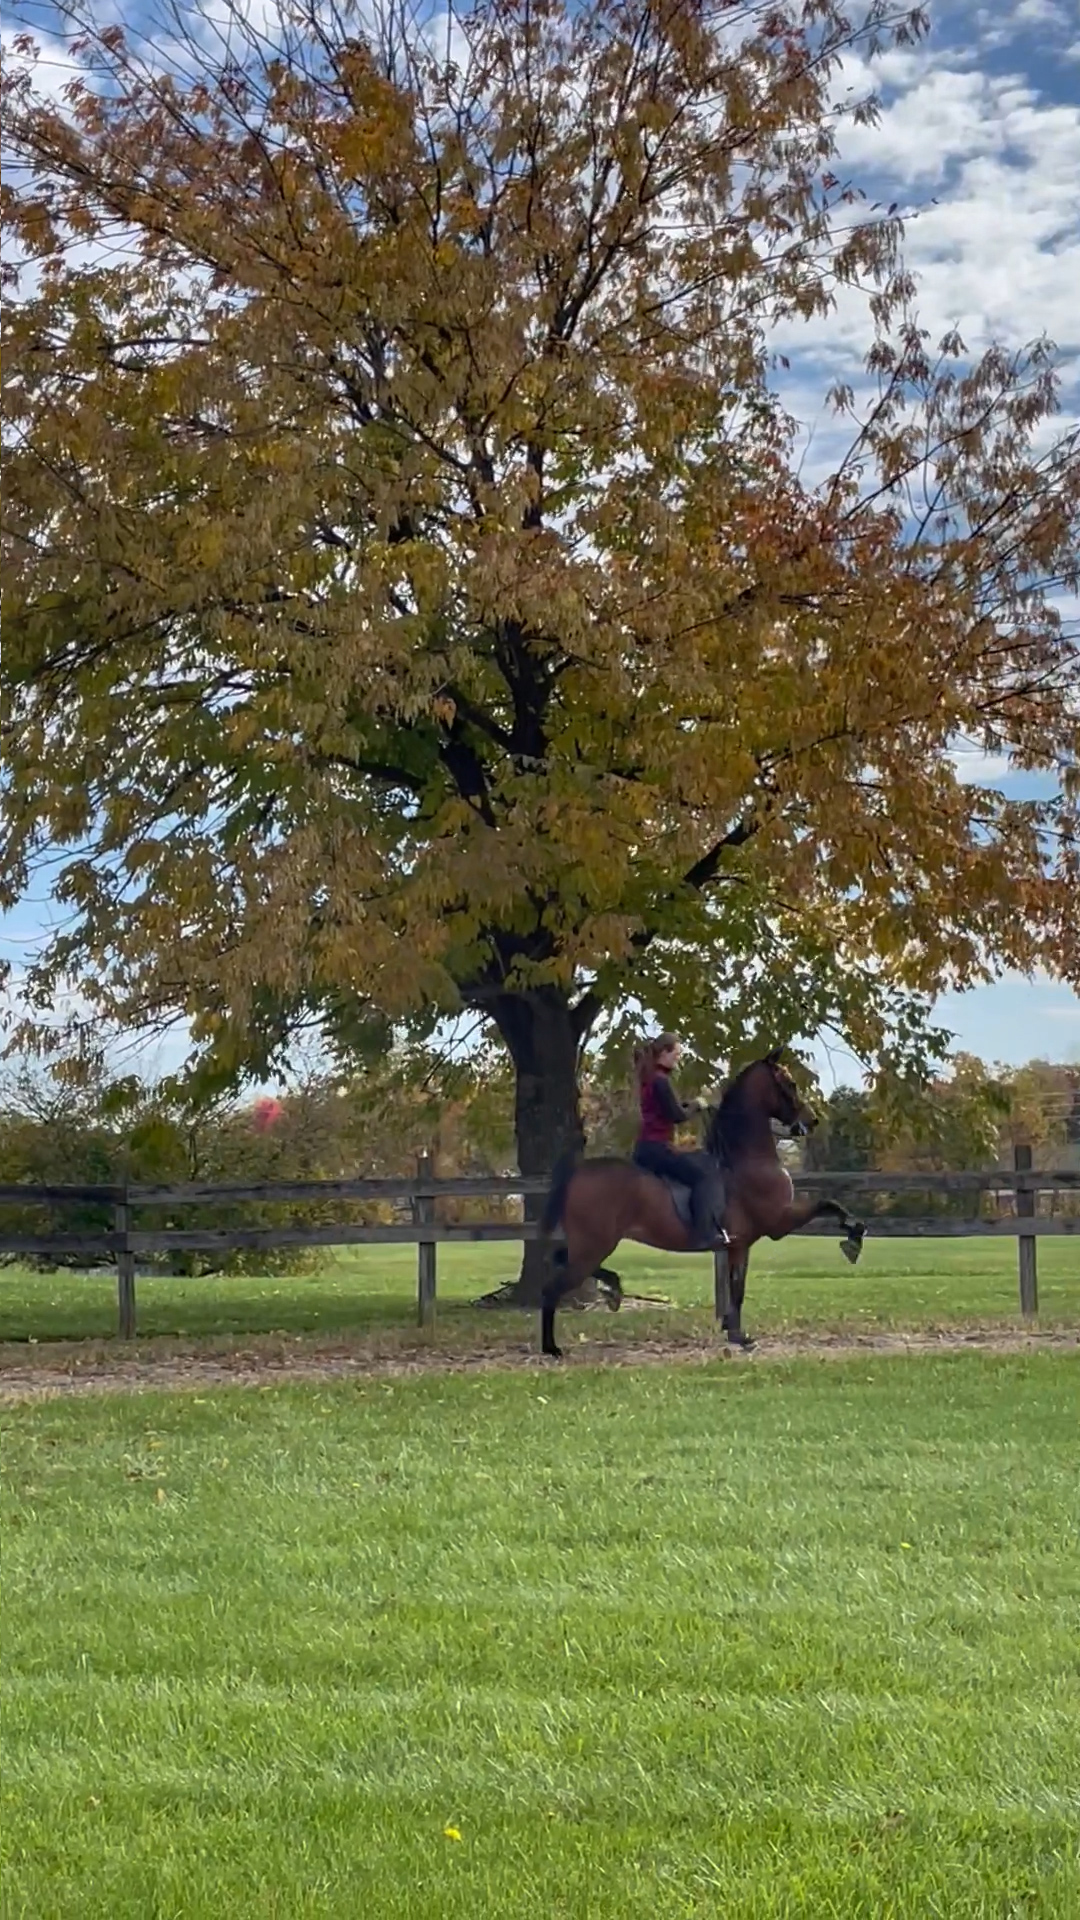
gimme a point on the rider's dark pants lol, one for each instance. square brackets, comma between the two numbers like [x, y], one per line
[692, 1170]
[657, 1157]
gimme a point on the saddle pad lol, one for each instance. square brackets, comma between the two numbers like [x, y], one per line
[680, 1199]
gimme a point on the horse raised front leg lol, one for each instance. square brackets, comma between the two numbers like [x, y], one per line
[801, 1212]
[851, 1245]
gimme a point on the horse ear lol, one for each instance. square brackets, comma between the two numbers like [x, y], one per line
[775, 1056]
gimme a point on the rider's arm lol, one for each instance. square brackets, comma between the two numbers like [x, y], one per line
[669, 1102]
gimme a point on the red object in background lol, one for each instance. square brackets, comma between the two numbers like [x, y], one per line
[265, 1114]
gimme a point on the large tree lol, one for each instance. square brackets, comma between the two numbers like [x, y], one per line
[411, 598]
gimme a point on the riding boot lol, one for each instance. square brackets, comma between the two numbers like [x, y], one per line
[705, 1208]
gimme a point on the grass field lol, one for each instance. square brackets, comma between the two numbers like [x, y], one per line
[747, 1641]
[730, 1641]
[802, 1283]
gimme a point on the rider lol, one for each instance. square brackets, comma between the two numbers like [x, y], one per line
[661, 1112]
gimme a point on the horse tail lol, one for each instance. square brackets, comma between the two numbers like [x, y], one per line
[555, 1204]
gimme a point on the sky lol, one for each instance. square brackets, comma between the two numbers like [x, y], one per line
[980, 143]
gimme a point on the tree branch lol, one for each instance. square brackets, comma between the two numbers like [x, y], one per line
[476, 716]
[372, 770]
[585, 1013]
[705, 870]
[587, 1010]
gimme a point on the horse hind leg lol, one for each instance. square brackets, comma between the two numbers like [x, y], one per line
[565, 1276]
[612, 1286]
[608, 1279]
[567, 1273]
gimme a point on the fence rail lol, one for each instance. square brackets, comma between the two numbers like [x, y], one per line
[125, 1242]
[495, 1187]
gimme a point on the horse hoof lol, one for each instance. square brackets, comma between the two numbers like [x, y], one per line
[851, 1249]
[737, 1338]
[552, 1353]
[613, 1302]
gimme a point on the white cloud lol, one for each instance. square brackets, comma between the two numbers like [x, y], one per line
[977, 769]
[1000, 25]
[263, 19]
[995, 242]
[988, 166]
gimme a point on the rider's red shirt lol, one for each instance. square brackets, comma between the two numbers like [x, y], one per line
[661, 1109]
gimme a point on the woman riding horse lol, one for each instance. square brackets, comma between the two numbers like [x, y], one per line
[597, 1203]
[661, 1112]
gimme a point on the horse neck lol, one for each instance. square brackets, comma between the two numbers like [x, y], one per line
[749, 1137]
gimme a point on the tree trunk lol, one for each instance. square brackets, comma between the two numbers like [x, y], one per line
[544, 1033]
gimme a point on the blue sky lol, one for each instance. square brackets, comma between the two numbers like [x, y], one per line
[980, 139]
[980, 142]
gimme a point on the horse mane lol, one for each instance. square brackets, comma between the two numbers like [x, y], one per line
[728, 1119]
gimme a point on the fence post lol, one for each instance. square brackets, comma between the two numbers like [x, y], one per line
[424, 1213]
[721, 1284]
[125, 1269]
[1027, 1243]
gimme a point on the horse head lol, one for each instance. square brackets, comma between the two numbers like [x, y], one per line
[763, 1091]
[787, 1105]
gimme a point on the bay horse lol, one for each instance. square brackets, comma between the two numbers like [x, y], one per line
[600, 1202]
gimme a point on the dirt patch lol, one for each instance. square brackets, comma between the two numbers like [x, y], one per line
[268, 1363]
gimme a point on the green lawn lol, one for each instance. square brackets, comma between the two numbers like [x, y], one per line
[803, 1282]
[734, 1642]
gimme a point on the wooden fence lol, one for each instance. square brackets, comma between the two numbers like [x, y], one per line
[126, 1242]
